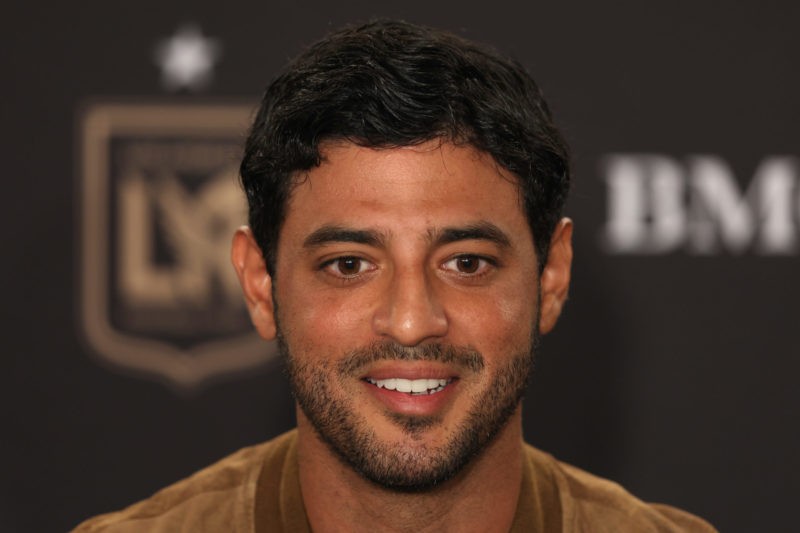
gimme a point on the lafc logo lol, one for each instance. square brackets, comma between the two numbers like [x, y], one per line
[160, 204]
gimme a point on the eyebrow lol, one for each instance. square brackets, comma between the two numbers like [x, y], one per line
[483, 230]
[329, 234]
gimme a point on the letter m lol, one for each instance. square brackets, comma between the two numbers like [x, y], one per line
[722, 217]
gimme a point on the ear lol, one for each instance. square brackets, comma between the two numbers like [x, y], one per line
[255, 280]
[555, 276]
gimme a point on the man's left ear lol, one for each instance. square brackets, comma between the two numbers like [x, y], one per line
[555, 276]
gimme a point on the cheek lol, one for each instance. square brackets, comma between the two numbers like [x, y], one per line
[500, 322]
[322, 320]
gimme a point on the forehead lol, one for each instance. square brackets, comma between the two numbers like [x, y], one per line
[405, 190]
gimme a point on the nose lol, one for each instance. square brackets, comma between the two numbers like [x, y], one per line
[410, 312]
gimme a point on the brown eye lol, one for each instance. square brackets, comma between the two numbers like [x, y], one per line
[468, 264]
[348, 266]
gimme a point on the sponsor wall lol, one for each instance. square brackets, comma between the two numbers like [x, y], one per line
[131, 361]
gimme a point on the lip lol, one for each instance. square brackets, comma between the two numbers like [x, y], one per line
[404, 403]
[416, 370]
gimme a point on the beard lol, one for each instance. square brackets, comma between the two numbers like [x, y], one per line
[411, 466]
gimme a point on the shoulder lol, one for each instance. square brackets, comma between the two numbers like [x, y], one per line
[220, 497]
[591, 503]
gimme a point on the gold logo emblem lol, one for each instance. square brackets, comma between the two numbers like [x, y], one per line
[160, 202]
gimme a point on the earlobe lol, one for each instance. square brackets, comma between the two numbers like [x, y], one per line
[248, 261]
[556, 276]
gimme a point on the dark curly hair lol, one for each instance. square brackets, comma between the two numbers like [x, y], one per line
[389, 84]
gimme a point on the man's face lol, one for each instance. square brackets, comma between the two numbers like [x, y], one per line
[406, 293]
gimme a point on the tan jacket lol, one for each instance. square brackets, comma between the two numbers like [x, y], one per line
[257, 490]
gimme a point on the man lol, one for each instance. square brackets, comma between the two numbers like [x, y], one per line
[406, 249]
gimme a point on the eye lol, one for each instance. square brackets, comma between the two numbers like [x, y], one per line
[348, 266]
[468, 265]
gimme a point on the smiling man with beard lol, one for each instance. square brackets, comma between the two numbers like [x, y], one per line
[406, 248]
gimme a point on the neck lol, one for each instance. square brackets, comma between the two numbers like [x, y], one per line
[482, 497]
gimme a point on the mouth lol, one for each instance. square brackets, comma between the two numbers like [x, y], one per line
[414, 387]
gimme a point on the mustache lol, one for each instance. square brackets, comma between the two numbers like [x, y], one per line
[462, 356]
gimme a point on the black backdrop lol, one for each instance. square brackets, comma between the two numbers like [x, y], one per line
[673, 370]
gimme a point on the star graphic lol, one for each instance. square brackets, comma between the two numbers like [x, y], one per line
[187, 59]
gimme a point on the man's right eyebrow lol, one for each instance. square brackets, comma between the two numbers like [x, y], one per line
[331, 234]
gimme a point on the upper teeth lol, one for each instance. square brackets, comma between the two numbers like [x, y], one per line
[410, 385]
